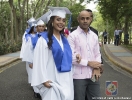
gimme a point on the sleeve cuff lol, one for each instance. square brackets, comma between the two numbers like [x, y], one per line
[84, 62]
[45, 81]
[29, 62]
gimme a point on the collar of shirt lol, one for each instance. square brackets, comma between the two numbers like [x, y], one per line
[82, 31]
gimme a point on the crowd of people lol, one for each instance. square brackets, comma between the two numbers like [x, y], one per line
[62, 65]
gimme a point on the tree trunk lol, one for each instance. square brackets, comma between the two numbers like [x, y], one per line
[36, 6]
[46, 6]
[126, 35]
[39, 7]
[19, 21]
[6, 36]
[11, 16]
[22, 15]
[57, 3]
[15, 26]
[27, 12]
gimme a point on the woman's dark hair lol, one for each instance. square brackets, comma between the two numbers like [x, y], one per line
[50, 31]
[31, 30]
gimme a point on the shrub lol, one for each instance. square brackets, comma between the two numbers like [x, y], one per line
[9, 48]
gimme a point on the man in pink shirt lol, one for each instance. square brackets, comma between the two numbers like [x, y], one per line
[86, 59]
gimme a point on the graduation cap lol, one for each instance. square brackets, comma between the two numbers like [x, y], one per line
[46, 16]
[43, 17]
[30, 21]
[40, 22]
[59, 11]
[33, 24]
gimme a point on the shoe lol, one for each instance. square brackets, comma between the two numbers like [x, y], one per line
[37, 95]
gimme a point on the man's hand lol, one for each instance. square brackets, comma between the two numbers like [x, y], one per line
[94, 64]
[46, 84]
[78, 57]
[101, 69]
[31, 65]
[96, 73]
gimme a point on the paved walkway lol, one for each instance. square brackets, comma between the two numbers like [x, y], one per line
[120, 56]
[117, 54]
[9, 58]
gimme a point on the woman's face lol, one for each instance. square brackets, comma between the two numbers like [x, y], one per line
[59, 23]
[40, 28]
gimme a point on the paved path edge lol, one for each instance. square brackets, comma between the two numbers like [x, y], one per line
[124, 67]
[9, 62]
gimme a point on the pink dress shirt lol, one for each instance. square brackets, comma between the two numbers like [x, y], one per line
[87, 46]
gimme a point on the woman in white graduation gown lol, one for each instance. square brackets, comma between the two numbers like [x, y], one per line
[30, 21]
[30, 41]
[53, 60]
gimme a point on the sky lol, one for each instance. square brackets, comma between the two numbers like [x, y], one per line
[91, 6]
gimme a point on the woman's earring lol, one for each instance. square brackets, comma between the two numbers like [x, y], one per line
[52, 24]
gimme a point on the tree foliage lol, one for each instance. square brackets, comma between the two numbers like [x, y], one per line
[75, 9]
[15, 13]
[117, 11]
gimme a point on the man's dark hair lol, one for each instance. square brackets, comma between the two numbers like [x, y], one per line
[89, 10]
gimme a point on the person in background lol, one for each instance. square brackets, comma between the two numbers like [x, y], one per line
[30, 21]
[40, 27]
[30, 43]
[86, 59]
[105, 36]
[66, 32]
[117, 36]
[45, 18]
[53, 60]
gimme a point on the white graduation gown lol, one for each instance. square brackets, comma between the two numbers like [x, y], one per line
[28, 57]
[23, 45]
[23, 55]
[45, 69]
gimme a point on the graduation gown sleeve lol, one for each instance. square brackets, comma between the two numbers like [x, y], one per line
[23, 46]
[39, 73]
[28, 51]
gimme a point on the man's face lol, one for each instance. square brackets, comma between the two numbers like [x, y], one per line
[85, 19]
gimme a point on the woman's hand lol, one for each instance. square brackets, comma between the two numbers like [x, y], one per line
[78, 57]
[46, 84]
[31, 65]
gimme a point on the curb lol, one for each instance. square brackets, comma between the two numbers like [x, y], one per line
[9, 62]
[124, 67]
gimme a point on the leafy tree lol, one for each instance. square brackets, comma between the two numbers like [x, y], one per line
[117, 10]
[98, 22]
[75, 9]
[5, 20]
[15, 13]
